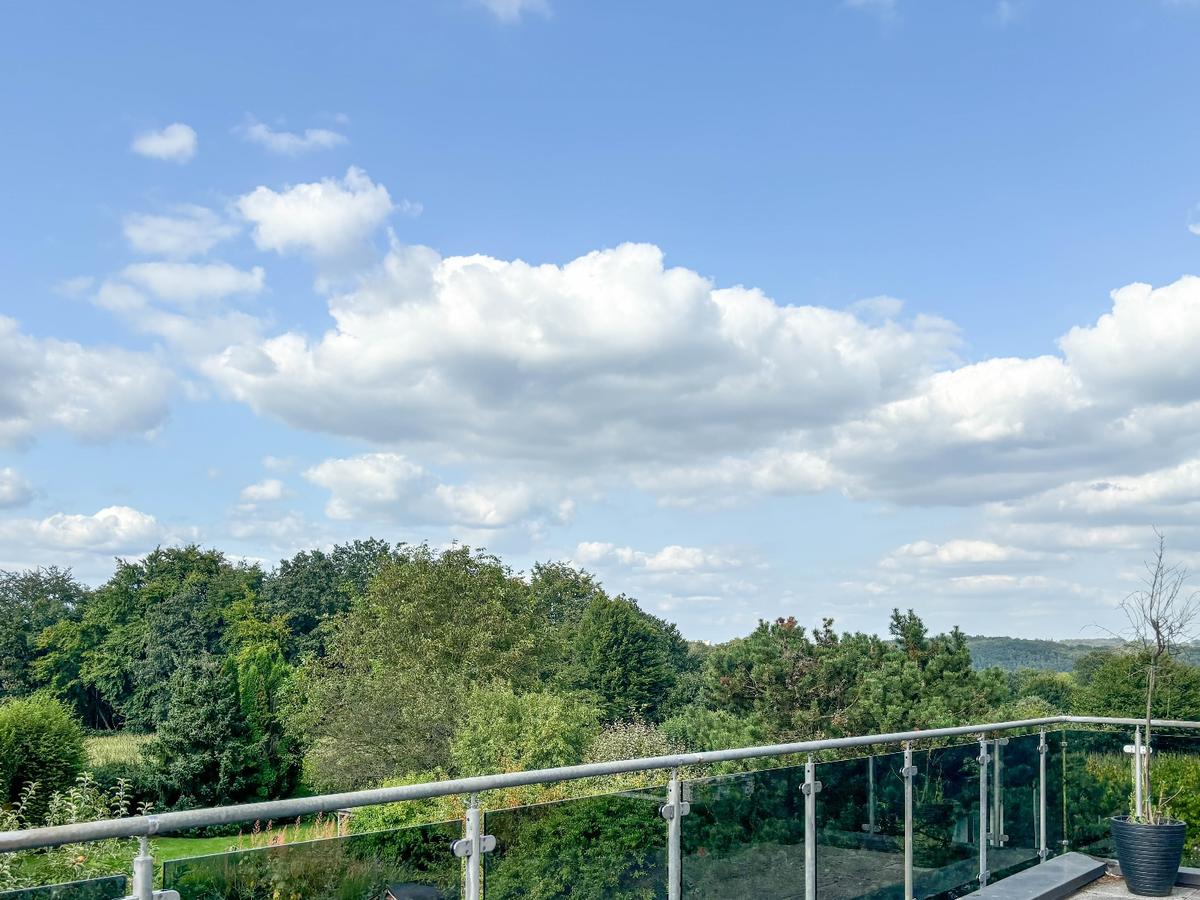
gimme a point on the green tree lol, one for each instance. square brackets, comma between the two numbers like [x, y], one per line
[40, 741]
[799, 685]
[1056, 688]
[313, 587]
[204, 752]
[562, 592]
[503, 731]
[388, 697]
[262, 677]
[30, 602]
[152, 617]
[623, 657]
[1117, 687]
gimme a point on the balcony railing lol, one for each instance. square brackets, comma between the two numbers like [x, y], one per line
[903, 816]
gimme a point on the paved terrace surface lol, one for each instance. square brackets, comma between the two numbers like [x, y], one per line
[1112, 887]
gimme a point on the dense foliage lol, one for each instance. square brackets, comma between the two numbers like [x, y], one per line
[369, 664]
[39, 743]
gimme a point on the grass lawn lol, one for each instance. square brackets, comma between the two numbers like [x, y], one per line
[179, 847]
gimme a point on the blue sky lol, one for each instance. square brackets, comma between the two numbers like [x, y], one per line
[783, 309]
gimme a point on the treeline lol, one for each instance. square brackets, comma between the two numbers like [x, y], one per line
[1013, 654]
[374, 663]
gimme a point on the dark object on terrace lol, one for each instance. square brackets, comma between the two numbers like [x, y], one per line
[1149, 854]
[409, 891]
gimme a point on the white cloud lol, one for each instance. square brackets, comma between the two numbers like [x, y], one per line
[1145, 349]
[289, 143]
[190, 231]
[265, 491]
[176, 142]
[191, 331]
[512, 10]
[14, 490]
[181, 282]
[113, 529]
[93, 393]
[959, 553]
[329, 218]
[673, 558]
[611, 358]
[1161, 495]
[390, 485]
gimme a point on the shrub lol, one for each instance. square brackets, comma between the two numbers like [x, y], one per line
[83, 801]
[40, 741]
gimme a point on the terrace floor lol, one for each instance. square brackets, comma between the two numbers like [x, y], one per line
[1112, 887]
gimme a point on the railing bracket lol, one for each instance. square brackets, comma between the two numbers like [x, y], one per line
[667, 810]
[462, 847]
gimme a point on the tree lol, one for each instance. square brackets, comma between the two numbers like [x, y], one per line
[1161, 616]
[313, 587]
[40, 741]
[388, 697]
[30, 602]
[116, 660]
[623, 658]
[562, 592]
[503, 731]
[204, 752]
[262, 677]
[1056, 688]
[796, 685]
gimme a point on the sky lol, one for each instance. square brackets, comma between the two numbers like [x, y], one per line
[753, 310]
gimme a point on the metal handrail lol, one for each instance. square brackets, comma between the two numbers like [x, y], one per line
[163, 823]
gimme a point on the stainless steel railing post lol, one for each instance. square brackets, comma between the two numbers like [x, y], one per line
[674, 811]
[143, 871]
[812, 787]
[909, 772]
[983, 811]
[471, 847]
[1043, 749]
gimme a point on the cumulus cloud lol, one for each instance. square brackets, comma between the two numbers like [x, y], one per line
[112, 529]
[288, 143]
[176, 143]
[673, 558]
[510, 11]
[1145, 348]
[189, 331]
[392, 486]
[611, 358]
[265, 491]
[1170, 494]
[14, 490]
[182, 282]
[328, 218]
[189, 230]
[960, 553]
[92, 393]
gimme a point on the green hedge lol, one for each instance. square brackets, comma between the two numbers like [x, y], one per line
[40, 741]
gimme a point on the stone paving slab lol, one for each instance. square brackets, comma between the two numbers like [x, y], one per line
[1113, 886]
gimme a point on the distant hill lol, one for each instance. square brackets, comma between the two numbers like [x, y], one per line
[1010, 653]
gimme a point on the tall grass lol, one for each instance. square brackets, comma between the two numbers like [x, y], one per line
[118, 747]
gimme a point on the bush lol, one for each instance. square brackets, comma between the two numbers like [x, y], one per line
[84, 801]
[40, 741]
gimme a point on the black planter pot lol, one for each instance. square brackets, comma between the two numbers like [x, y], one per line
[1149, 855]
